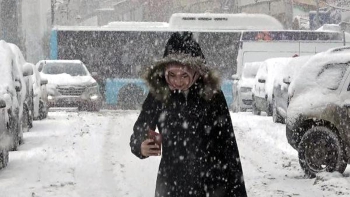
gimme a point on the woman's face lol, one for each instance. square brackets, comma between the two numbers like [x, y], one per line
[178, 78]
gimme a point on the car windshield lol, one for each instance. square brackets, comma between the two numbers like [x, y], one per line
[74, 69]
[331, 75]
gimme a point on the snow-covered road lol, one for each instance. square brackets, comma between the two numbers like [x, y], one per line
[83, 154]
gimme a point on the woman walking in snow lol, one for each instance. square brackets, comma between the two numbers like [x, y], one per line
[199, 152]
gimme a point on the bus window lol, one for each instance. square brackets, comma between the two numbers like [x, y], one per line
[220, 50]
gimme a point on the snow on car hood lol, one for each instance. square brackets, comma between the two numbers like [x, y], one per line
[66, 79]
[246, 82]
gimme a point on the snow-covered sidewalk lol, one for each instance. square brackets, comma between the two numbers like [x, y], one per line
[82, 154]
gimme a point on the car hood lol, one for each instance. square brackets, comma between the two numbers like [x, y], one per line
[246, 82]
[68, 80]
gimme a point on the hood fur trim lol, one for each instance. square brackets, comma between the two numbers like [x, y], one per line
[208, 81]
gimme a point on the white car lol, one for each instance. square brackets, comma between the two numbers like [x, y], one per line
[242, 88]
[13, 93]
[27, 93]
[281, 86]
[263, 85]
[40, 101]
[70, 84]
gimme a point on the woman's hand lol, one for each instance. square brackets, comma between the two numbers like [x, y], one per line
[150, 148]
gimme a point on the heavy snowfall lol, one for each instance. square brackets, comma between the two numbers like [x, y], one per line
[87, 154]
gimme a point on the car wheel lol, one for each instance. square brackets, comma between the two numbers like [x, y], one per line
[254, 108]
[42, 111]
[25, 119]
[94, 107]
[321, 150]
[276, 117]
[4, 158]
[14, 129]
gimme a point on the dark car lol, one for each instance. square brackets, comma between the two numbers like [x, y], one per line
[281, 85]
[318, 119]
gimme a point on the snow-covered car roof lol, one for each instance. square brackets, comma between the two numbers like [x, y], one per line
[291, 68]
[305, 79]
[274, 66]
[249, 72]
[250, 69]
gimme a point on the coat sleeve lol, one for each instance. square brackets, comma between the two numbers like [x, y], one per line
[147, 120]
[226, 149]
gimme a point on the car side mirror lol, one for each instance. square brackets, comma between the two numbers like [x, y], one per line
[94, 74]
[43, 81]
[235, 77]
[18, 86]
[261, 80]
[27, 70]
[2, 104]
[286, 80]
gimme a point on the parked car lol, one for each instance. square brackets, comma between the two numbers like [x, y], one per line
[263, 84]
[242, 90]
[13, 92]
[70, 84]
[40, 100]
[318, 118]
[281, 85]
[27, 108]
[4, 153]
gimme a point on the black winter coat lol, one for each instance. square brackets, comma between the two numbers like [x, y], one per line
[199, 152]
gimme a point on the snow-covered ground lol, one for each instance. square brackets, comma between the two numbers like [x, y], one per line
[82, 154]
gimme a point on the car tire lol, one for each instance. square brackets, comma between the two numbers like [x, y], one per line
[41, 110]
[25, 119]
[4, 158]
[321, 150]
[14, 129]
[254, 108]
[94, 107]
[276, 117]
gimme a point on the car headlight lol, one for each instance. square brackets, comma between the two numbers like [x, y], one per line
[93, 96]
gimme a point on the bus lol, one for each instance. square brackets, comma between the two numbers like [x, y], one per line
[259, 45]
[120, 51]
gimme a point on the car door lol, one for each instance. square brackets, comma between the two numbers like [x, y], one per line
[345, 99]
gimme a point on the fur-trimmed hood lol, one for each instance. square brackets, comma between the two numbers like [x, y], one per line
[208, 81]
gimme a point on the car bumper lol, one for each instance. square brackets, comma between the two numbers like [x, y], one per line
[246, 100]
[72, 101]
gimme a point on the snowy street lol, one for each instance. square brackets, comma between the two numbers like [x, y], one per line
[82, 154]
